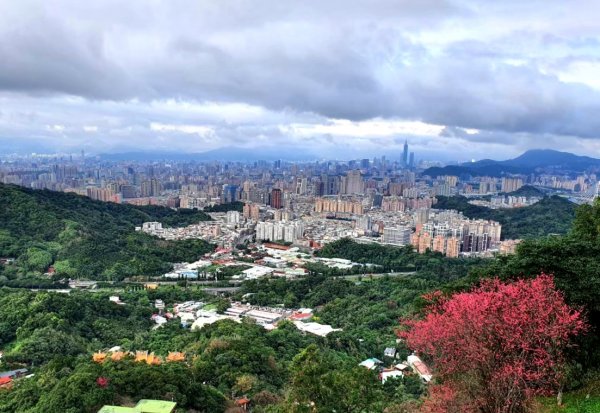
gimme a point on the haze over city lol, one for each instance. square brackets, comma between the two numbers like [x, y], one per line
[460, 80]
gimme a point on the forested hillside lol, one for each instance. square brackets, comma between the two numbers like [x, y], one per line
[85, 238]
[389, 258]
[552, 215]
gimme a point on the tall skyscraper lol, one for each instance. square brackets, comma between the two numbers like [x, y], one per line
[354, 183]
[411, 160]
[229, 194]
[405, 154]
[150, 188]
[276, 200]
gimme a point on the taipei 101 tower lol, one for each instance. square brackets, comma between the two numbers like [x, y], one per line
[405, 155]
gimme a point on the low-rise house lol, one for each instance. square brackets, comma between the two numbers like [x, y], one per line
[371, 363]
[188, 306]
[389, 352]
[205, 317]
[300, 316]
[158, 319]
[243, 403]
[115, 299]
[186, 318]
[14, 374]
[315, 328]
[263, 317]
[419, 368]
[401, 366]
[389, 374]
[237, 310]
[274, 262]
[255, 272]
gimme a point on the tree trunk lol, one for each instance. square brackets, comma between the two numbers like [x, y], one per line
[559, 397]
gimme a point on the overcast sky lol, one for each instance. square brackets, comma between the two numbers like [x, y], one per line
[338, 78]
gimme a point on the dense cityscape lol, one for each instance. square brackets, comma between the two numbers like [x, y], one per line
[305, 204]
[299, 207]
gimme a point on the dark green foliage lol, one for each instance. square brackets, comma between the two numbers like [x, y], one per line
[324, 382]
[46, 325]
[86, 238]
[528, 191]
[73, 387]
[232, 206]
[552, 215]
[396, 259]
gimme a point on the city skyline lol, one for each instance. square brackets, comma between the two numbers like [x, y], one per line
[337, 80]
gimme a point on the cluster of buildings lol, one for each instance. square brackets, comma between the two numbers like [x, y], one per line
[196, 315]
[304, 204]
[410, 222]
[506, 201]
[451, 234]
[277, 184]
[225, 230]
[412, 365]
[289, 232]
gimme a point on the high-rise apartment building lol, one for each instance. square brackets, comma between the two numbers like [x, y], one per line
[150, 188]
[280, 231]
[338, 206]
[128, 191]
[276, 200]
[353, 183]
[301, 186]
[101, 194]
[233, 218]
[397, 235]
[452, 247]
[251, 211]
[230, 193]
[511, 184]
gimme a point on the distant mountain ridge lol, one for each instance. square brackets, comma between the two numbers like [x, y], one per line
[221, 154]
[529, 161]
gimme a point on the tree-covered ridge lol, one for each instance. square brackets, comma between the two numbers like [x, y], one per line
[86, 238]
[527, 190]
[552, 215]
[231, 206]
[400, 259]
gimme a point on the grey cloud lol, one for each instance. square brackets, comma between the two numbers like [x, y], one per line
[301, 60]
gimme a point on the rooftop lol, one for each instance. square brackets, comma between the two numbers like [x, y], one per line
[143, 406]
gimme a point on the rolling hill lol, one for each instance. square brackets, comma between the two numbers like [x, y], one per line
[81, 237]
[552, 215]
[528, 162]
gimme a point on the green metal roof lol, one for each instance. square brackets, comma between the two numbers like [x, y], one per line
[143, 406]
[155, 406]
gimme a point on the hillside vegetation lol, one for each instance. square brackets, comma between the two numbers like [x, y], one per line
[552, 215]
[81, 237]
